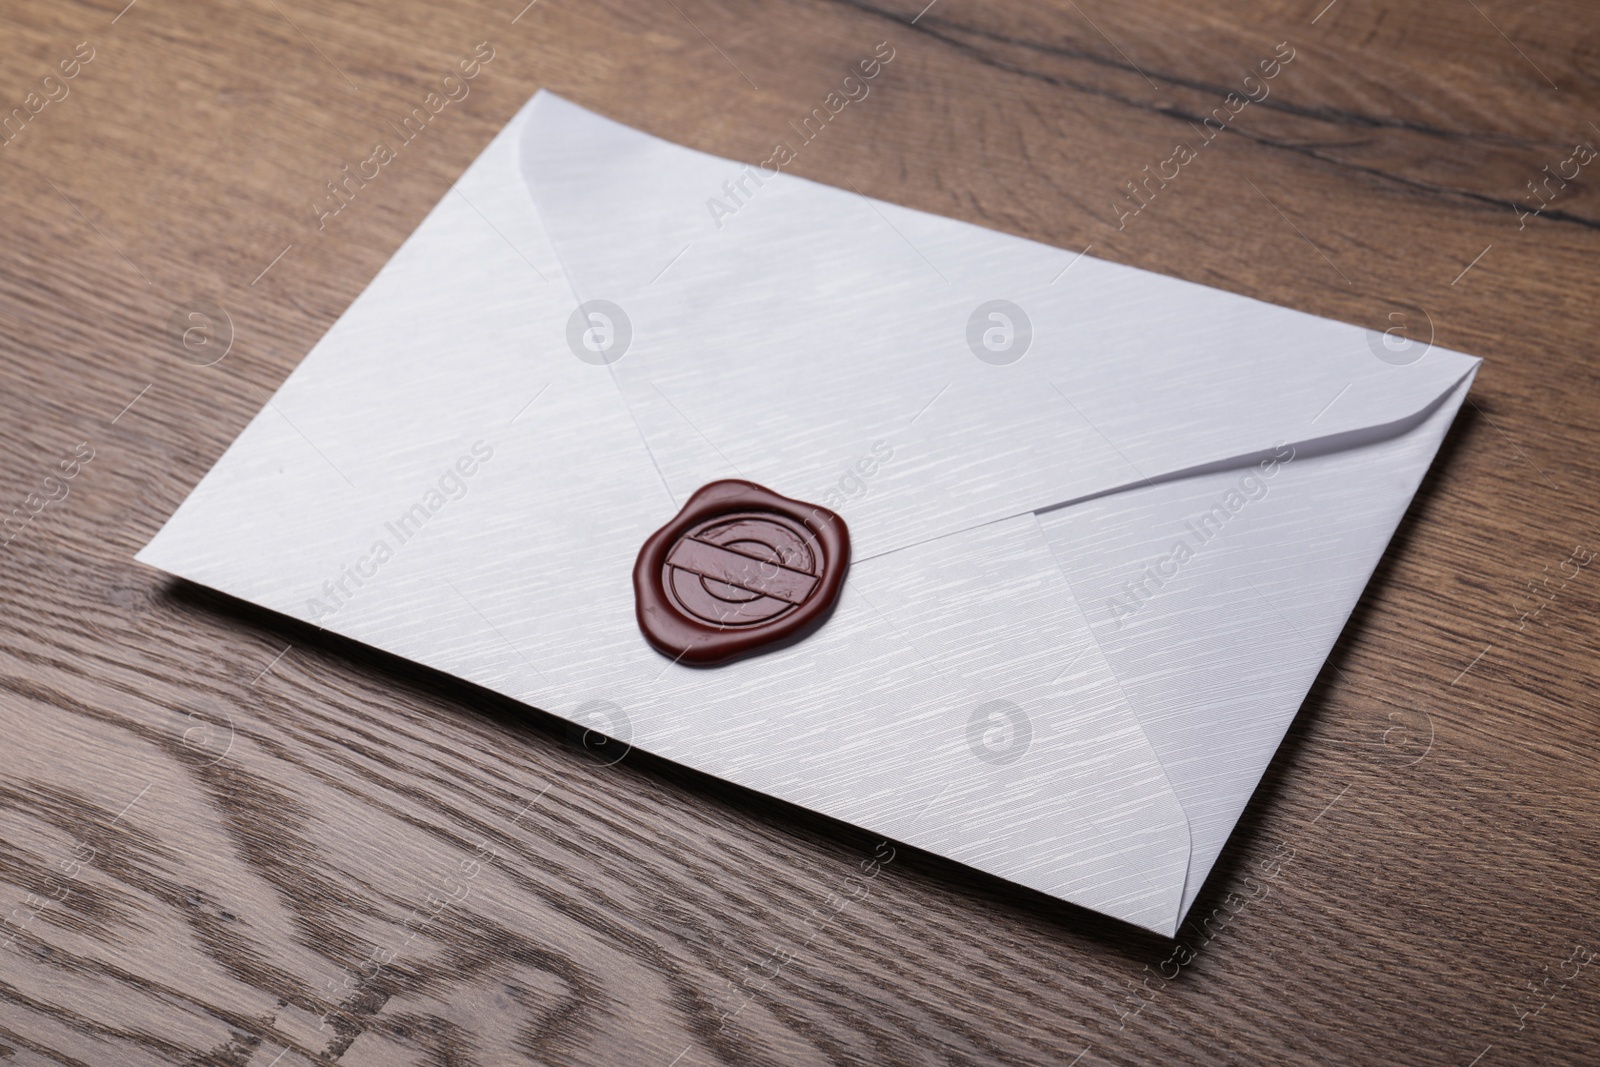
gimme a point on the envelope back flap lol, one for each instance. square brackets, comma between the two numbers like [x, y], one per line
[1003, 376]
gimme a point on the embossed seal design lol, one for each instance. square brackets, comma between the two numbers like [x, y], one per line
[739, 570]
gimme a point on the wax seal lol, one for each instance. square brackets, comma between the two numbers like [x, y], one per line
[739, 570]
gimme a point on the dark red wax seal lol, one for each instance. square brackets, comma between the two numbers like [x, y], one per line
[739, 570]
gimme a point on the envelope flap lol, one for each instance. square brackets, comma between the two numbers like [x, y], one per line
[919, 374]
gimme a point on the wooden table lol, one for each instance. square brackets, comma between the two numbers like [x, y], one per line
[225, 840]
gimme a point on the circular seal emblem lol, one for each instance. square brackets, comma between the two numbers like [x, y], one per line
[739, 570]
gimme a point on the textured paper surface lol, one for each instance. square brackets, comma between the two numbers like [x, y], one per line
[444, 478]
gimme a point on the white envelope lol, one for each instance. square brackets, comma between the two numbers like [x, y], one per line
[1090, 585]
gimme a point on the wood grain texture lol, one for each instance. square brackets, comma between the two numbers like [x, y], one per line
[225, 839]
